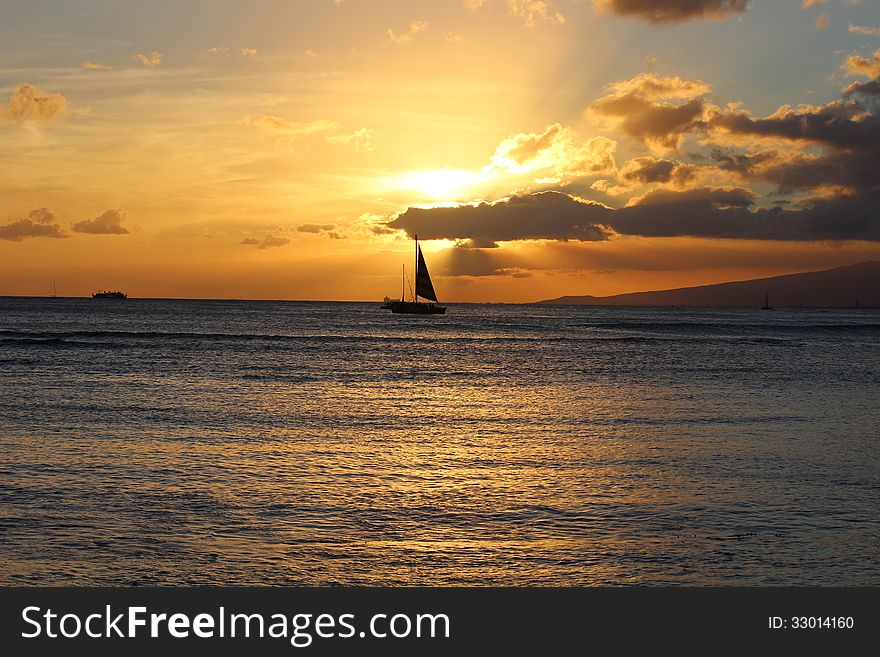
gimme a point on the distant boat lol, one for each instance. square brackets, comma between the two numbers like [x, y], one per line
[424, 289]
[767, 305]
[108, 294]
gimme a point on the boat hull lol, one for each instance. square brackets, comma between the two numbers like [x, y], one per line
[416, 308]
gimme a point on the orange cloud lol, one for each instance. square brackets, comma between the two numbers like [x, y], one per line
[362, 139]
[415, 28]
[557, 149]
[151, 60]
[108, 223]
[39, 223]
[268, 242]
[276, 126]
[657, 111]
[865, 30]
[29, 103]
[867, 66]
[535, 11]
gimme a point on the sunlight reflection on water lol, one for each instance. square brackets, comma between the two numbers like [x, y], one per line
[171, 442]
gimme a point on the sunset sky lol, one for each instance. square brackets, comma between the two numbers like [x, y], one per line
[288, 150]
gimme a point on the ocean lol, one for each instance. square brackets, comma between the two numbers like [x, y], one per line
[173, 442]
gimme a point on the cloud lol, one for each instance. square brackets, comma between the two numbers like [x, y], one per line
[151, 60]
[532, 12]
[39, 223]
[725, 213]
[826, 154]
[95, 66]
[547, 215]
[415, 28]
[823, 22]
[276, 126]
[705, 212]
[315, 228]
[865, 30]
[217, 50]
[362, 139]
[557, 149]
[321, 229]
[535, 11]
[651, 87]
[268, 242]
[108, 223]
[248, 52]
[839, 124]
[646, 170]
[657, 111]
[29, 103]
[740, 163]
[867, 66]
[660, 12]
[809, 4]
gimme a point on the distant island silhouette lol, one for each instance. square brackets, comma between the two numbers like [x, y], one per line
[852, 286]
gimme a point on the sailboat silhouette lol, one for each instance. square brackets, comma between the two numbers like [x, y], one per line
[424, 289]
[767, 305]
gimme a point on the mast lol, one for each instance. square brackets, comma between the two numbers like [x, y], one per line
[416, 270]
[403, 285]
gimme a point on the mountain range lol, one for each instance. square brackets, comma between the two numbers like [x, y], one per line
[852, 286]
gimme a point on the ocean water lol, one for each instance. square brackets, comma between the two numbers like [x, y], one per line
[234, 442]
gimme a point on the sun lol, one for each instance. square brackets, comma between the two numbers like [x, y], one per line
[440, 184]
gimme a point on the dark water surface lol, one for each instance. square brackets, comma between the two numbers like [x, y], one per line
[221, 442]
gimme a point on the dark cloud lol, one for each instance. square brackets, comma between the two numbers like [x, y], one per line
[848, 132]
[547, 215]
[108, 223]
[705, 212]
[39, 223]
[843, 124]
[659, 12]
[741, 163]
[867, 89]
[322, 229]
[267, 242]
[315, 228]
[646, 170]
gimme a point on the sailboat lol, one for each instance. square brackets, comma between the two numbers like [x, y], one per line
[424, 289]
[767, 305]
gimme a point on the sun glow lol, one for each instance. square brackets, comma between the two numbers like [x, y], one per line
[447, 184]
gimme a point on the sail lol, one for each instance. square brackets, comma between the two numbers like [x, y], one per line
[424, 287]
